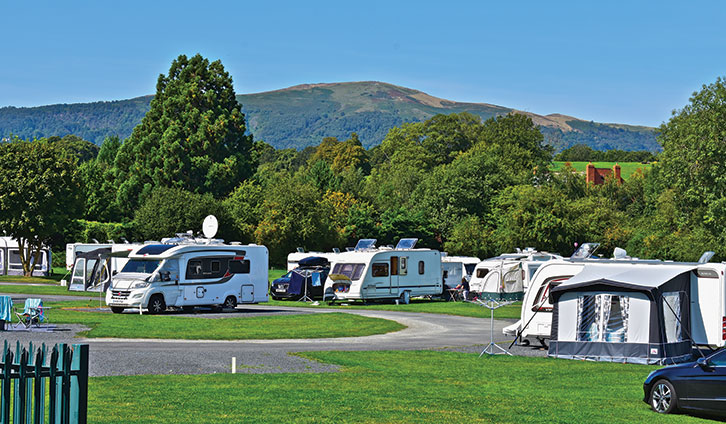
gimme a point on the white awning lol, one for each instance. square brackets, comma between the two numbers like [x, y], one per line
[645, 275]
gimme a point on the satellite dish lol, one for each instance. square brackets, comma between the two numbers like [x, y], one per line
[210, 226]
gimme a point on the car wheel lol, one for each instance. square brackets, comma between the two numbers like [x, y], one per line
[230, 302]
[117, 309]
[663, 397]
[157, 304]
[405, 297]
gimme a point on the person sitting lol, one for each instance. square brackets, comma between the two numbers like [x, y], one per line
[464, 288]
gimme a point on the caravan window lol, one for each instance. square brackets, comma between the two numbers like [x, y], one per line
[421, 267]
[542, 301]
[672, 316]
[602, 318]
[352, 271]
[481, 272]
[379, 270]
[469, 268]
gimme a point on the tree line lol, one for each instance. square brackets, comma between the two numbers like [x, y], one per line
[456, 182]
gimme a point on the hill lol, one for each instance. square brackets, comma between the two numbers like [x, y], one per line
[302, 115]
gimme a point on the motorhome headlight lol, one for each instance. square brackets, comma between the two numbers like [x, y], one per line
[140, 285]
[137, 295]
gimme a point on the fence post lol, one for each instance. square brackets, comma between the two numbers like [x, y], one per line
[52, 386]
[79, 390]
[39, 387]
[7, 369]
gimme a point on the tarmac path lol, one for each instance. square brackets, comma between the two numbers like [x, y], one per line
[142, 356]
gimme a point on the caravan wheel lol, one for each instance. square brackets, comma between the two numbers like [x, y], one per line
[405, 297]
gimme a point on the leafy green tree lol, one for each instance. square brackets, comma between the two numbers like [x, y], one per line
[80, 148]
[470, 236]
[39, 194]
[98, 184]
[243, 207]
[528, 216]
[192, 138]
[171, 210]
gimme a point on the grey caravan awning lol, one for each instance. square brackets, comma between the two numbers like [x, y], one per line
[632, 313]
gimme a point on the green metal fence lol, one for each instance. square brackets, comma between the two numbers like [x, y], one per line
[39, 388]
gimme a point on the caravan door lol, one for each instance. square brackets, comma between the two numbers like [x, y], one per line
[394, 275]
[2, 262]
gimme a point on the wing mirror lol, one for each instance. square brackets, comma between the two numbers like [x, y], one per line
[703, 363]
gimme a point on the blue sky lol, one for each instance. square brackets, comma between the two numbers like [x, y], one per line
[619, 61]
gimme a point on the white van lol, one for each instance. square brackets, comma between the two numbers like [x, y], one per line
[371, 273]
[190, 274]
[294, 258]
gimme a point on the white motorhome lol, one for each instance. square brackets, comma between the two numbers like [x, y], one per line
[707, 295]
[457, 267]
[188, 274]
[294, 257]
[10, 259]
[508, 275]
[371, 273]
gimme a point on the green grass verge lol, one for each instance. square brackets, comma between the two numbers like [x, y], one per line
[50, 290]
[385, 387]
[234, 327]
[419, 305]
[626, 168]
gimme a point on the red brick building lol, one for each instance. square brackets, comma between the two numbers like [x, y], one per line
[597, 176]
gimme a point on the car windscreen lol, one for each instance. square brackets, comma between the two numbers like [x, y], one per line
[142, 266]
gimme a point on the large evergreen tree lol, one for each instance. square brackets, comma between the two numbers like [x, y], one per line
[193, 137]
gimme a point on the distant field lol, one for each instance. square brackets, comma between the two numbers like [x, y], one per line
[626, 168]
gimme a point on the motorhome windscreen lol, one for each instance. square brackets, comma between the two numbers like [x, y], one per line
[143, 266]
[352, 271]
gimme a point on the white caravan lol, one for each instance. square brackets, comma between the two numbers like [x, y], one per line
[10, 259]
[457, 267]
[508, 275]
[294, 257]
[191, 273]
[707, 295]
[371, 273]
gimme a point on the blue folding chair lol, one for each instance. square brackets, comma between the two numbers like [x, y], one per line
[33, 313]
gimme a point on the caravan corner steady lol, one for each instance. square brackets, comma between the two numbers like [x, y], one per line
[188, 274]
[371, 273]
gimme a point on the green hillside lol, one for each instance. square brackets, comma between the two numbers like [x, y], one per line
[301, 116]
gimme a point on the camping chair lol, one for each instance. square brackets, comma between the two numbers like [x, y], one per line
[33, 313]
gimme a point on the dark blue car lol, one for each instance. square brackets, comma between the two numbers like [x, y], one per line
[698, 386]
[312, 273]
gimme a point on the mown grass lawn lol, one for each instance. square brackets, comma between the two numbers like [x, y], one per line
[234, 327]
[626, 168]
[385, 387]
[44, 289]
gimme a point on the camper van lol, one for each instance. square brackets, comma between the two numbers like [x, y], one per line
[10, 259]
[507, 276]
[92, 270]
[293, 259]
[188, 273]
[375, 273]
[454, 268]
[707, 295]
